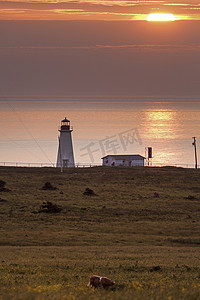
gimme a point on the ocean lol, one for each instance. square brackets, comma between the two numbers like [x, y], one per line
[101, 126]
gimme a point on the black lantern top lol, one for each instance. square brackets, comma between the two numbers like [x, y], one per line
[65, 124]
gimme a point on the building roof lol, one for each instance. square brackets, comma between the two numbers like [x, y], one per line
[127, 157]
[65, 120]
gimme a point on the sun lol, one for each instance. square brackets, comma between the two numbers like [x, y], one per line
[160, 17]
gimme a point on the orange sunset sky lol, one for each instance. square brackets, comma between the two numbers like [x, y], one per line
[96, 10]
[98, 62]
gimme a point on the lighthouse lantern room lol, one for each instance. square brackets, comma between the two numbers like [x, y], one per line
[65, 156]
[65, 124]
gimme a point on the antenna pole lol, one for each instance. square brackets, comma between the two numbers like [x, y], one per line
[146, 156]
[195, 151]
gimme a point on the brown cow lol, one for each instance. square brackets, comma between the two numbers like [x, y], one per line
[98, 281]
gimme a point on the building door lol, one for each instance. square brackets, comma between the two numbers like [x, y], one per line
[65, 163]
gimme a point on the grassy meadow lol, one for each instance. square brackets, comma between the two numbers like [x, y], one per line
[141, 228]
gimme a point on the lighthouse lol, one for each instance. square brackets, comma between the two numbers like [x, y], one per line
[65, 158]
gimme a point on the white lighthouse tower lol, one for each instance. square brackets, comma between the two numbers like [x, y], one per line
[65, 157]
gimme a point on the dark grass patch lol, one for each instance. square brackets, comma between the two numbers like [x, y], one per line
[155, 269]
[156, 195]
[49, 208]
[49, 186]
[120, 287]
[185, 241]
[3, 200]
[89, 192]
[2, 186]
[191, 197]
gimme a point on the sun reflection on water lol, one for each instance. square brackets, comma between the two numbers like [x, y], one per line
[161, 126]
[160, 115]
[161, 123]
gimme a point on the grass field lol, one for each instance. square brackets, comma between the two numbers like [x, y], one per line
[141, 228]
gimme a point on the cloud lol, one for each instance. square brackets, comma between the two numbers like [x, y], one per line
[93, 9]
[148, 47]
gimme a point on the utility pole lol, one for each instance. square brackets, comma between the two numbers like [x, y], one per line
[195, 151]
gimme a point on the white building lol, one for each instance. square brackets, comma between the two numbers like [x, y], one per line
[123, 160]
[65, 156]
